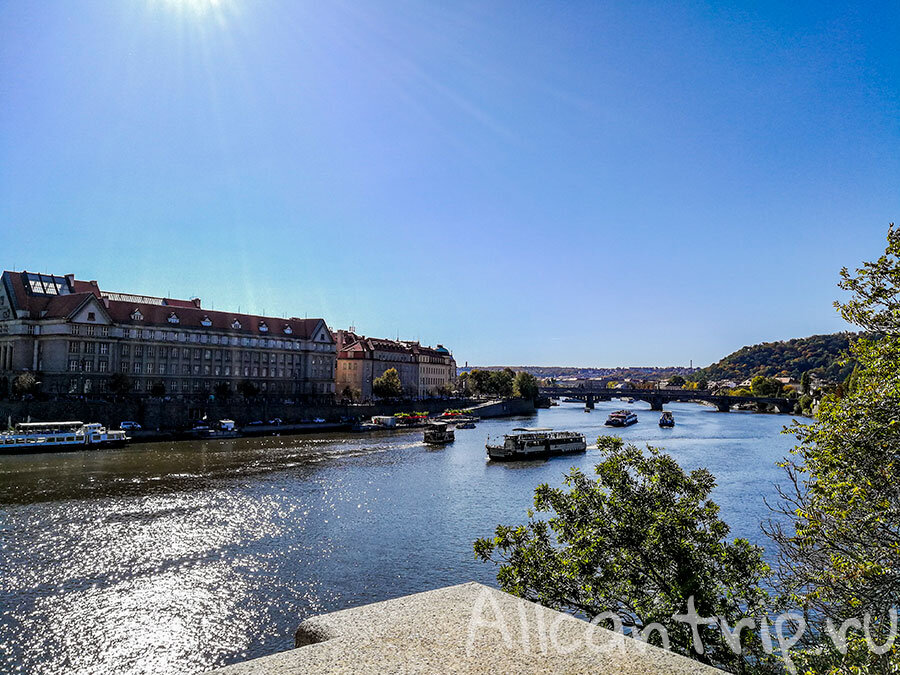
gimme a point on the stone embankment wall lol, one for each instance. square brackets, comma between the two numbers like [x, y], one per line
[508, 408]
[178, 414]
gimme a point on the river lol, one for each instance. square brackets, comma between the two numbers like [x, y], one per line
[180, 557]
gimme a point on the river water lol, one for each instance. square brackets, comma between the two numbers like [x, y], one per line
[179, 557]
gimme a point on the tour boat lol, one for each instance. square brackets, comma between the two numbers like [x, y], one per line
[467, 424]
[666, 419]
[621, 418]
[536, 443]
[439, 433]
[58, 436]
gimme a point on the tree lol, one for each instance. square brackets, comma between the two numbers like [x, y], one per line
[639, 541]
[388, 385]
[247, 389]
[25, 383]
[805, 382]
[501, 383]
[841, 540]
[525, 385]
[119, 384]
[766, 386]
[676, 381]
[480, 381]
[222, 391]
[158, 389]
[702, 384]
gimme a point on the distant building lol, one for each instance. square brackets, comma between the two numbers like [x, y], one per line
[76, 336]
[423, 371]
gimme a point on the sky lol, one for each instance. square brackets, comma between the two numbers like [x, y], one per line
[528, 182]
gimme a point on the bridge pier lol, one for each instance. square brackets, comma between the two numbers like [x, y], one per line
[656, 403]
[785, 406]
[723, 406]
[589, 402]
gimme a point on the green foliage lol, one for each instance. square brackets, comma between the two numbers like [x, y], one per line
[842, 544]
[766, 387]
[525, 385]
[247, 389]
[639, 541]
[492, 382]
[388, 385]
[222, 391]
[805, 383]
[158, 389]
[676, 381]
[119, 384]
[820, 355]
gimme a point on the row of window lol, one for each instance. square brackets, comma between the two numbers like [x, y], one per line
[203, 338]
[90, 331]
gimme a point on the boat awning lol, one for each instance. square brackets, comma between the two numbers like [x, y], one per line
[533, 429]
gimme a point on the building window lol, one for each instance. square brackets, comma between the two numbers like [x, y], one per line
[137, 316]
[186, 369]
[196, 353]
[124, 350]
[88, 366]
[150, 350]
[104, 331]
[227, 370]
[185, 353]
[288, 330]
[90, 347]
[196, 369]
[138, 351]
[174, 352]
[206, 370]
[173, 369]
[136, 369]
[104, 348]
[205, 321]
[263, 328]
[74, 346]
[173, 318]
[149, 368]
[207, 354]
[124, 367]
[92, 316]
[73, 365]
[103, 366]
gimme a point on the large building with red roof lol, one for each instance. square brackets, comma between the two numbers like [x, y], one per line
[74, 337]
[424, 371]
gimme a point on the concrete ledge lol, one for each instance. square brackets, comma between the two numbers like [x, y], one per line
[469, 628]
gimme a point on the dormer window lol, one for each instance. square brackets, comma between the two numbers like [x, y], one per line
[236, 324]
[92, 316]
[263, 328]
[205, 321]
[173, 318]
[288, 330]
[136, 315]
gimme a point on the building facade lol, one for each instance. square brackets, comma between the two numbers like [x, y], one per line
[423, 371]
[75, 338]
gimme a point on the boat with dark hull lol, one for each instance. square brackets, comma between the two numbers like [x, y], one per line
[667, 419]
[535, 443]
[621, 418]
[439, 433]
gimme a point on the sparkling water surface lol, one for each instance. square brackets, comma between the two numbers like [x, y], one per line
[180, 557]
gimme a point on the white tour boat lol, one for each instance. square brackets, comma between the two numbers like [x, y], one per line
[536, 443]
[58, 436]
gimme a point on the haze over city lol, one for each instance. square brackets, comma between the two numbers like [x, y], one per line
[520, 182]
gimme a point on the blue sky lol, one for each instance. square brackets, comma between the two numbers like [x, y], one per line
[592, 183]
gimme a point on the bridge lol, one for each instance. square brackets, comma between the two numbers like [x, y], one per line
[658, 397]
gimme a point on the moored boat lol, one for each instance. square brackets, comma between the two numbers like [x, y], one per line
[439, 433]
[535, 443]
[621, 418]
[667, 419]
[28, 437]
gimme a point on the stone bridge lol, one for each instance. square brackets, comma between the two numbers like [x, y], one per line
[658, 397]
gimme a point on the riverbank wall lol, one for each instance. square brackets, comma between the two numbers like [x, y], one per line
[162, 415]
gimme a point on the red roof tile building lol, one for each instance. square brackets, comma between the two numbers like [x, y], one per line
[423, 371]
[75, 337]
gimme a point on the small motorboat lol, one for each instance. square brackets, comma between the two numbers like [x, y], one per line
[667, 419]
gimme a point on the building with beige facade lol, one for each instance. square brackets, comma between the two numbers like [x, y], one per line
[424, 371]
[74, 336]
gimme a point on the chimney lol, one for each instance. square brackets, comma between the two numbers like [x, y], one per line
[70, 280]
[196, 302]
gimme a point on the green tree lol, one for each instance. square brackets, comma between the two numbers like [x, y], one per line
[676, 381]
[501, 383]
[158, 389]
[247, 389]
[388, 385]
[841, 542]
[119, 384]
[766, 386]
[480, 381]
[639, 541]
[25, 383]
[222, 391]
[805, 384]
[525, 385]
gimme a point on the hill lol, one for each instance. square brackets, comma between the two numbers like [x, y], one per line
[819, 354]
